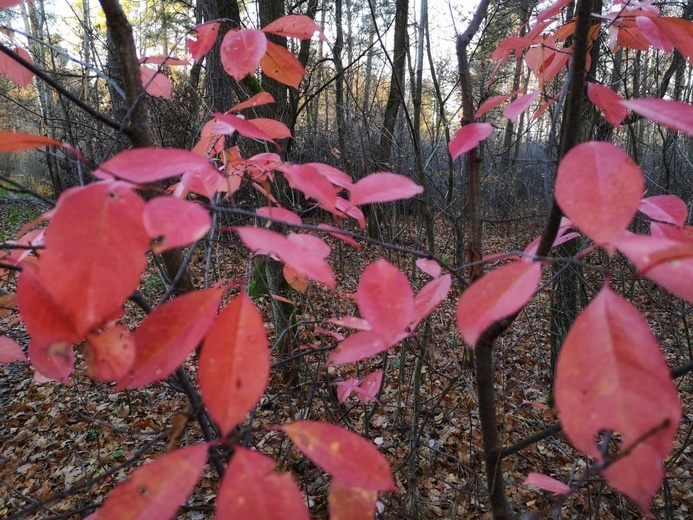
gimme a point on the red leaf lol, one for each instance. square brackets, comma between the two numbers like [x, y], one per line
[15, 72]
[110, 353]
[332, 174]
[172, 222]
[14, 141]
[156, 490]
[295, 26]
[206, 36]
[169, 334]
[680, 31]
[499, 294]
[52, 334]
[302, 259]
[672, 114]
[428, 266]
[227, 124]
[155, 83]
[654, 34]
[661, 260]
[234, 363]
[352, 211]
[521, 104]
[383, 187]
[241, 52]
[628, 391]
[250, 489]
[278, 214]
[262, 98]
[9, 3]
[346, 502]
[282, 66]
[370, 385]
[345, 388]
[552, 10]
[492, 103]
[665, 208]
[547, 483]
[306, 179]
[358, 346]
[385, 300]
[335, 232]
[10, 351]
[429, 297]
[609, 103]
[346, 456]
[468, 137]
[599, 188]
[141, 165]
[94, 253]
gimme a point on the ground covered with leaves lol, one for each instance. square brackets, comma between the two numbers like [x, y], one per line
[62, 449]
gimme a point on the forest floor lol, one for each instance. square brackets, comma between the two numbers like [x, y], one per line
[62, 449]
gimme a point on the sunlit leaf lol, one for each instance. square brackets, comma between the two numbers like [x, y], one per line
[668, 112]
[234, 363]
[608, 101]
[521, 104]
[295, 26]
[206, 36]
[628, 391]
[346, 456]
[156, 83]
[241, 52]
[281, 65]
[13, 70]
[14, 141]
[261, 98]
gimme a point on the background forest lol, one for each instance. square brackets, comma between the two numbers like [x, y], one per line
[383, 91]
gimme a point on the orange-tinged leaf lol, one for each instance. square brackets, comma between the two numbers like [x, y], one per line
[281, 65]
[52, 334]
[599, 188]
[250, 489]
[680, 31]
[297, 281]
[155, 83]
[172, 222]
[668, 112]
[94, 252]
[468, 137]
[347, 502]
[609, 102]
[13, 70]
[346, 456]
[295, 26]
[14, 141]
[169, 334]
[241, 52]
[227, 124]
[273, 128]
[385, 299]
[206, 36]
[262, 98]
[383, 187]
[110, 353]
[156, 490]
[611, 375]
[10, 351]
[234, 363]
[499, 294]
